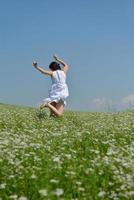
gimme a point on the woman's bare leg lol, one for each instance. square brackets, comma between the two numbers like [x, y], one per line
[60, 107]
[52, 114]
[58, 110]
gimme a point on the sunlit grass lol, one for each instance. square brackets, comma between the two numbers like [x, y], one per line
[81, 156]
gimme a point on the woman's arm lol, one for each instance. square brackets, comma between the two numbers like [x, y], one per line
[65, 65]
[43, 71]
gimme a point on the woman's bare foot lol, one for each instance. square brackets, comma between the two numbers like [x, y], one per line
[44, 104]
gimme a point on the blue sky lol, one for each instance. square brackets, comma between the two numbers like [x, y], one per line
[96, 39]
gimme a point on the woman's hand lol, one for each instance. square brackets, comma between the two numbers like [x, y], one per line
[35, 64]
[55, 57]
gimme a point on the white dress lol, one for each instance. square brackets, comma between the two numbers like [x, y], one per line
[59, 89]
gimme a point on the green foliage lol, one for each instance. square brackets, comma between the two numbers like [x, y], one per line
[80, 156]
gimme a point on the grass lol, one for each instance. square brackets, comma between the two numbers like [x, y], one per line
[81, 156]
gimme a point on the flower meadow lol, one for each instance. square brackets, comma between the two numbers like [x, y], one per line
[81, 156]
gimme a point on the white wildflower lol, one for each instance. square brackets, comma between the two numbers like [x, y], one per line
[101, 194]
[11, 176]
[71, 173]
[81, 189]
[78, 183]
[13, 196]
[106, 160]
[68, 156]
[33, 176]
[110, 151]
[56, 159]
[54, 181]
[59, 191]
[3, 186]
[43, 192]
[22, 198]
[130, 193]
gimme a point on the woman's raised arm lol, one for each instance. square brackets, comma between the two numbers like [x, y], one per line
[65, 65]
[43, 71]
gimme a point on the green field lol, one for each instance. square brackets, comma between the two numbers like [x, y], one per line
[82, 156]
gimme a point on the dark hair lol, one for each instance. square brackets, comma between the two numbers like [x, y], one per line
[54, 66]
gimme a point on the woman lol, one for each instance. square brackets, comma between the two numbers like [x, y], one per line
[59, 90]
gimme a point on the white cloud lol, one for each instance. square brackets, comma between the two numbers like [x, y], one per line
[102, 104]
[105, 104]
[128, 101]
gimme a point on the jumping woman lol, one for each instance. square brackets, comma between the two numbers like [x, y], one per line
[59, 90]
